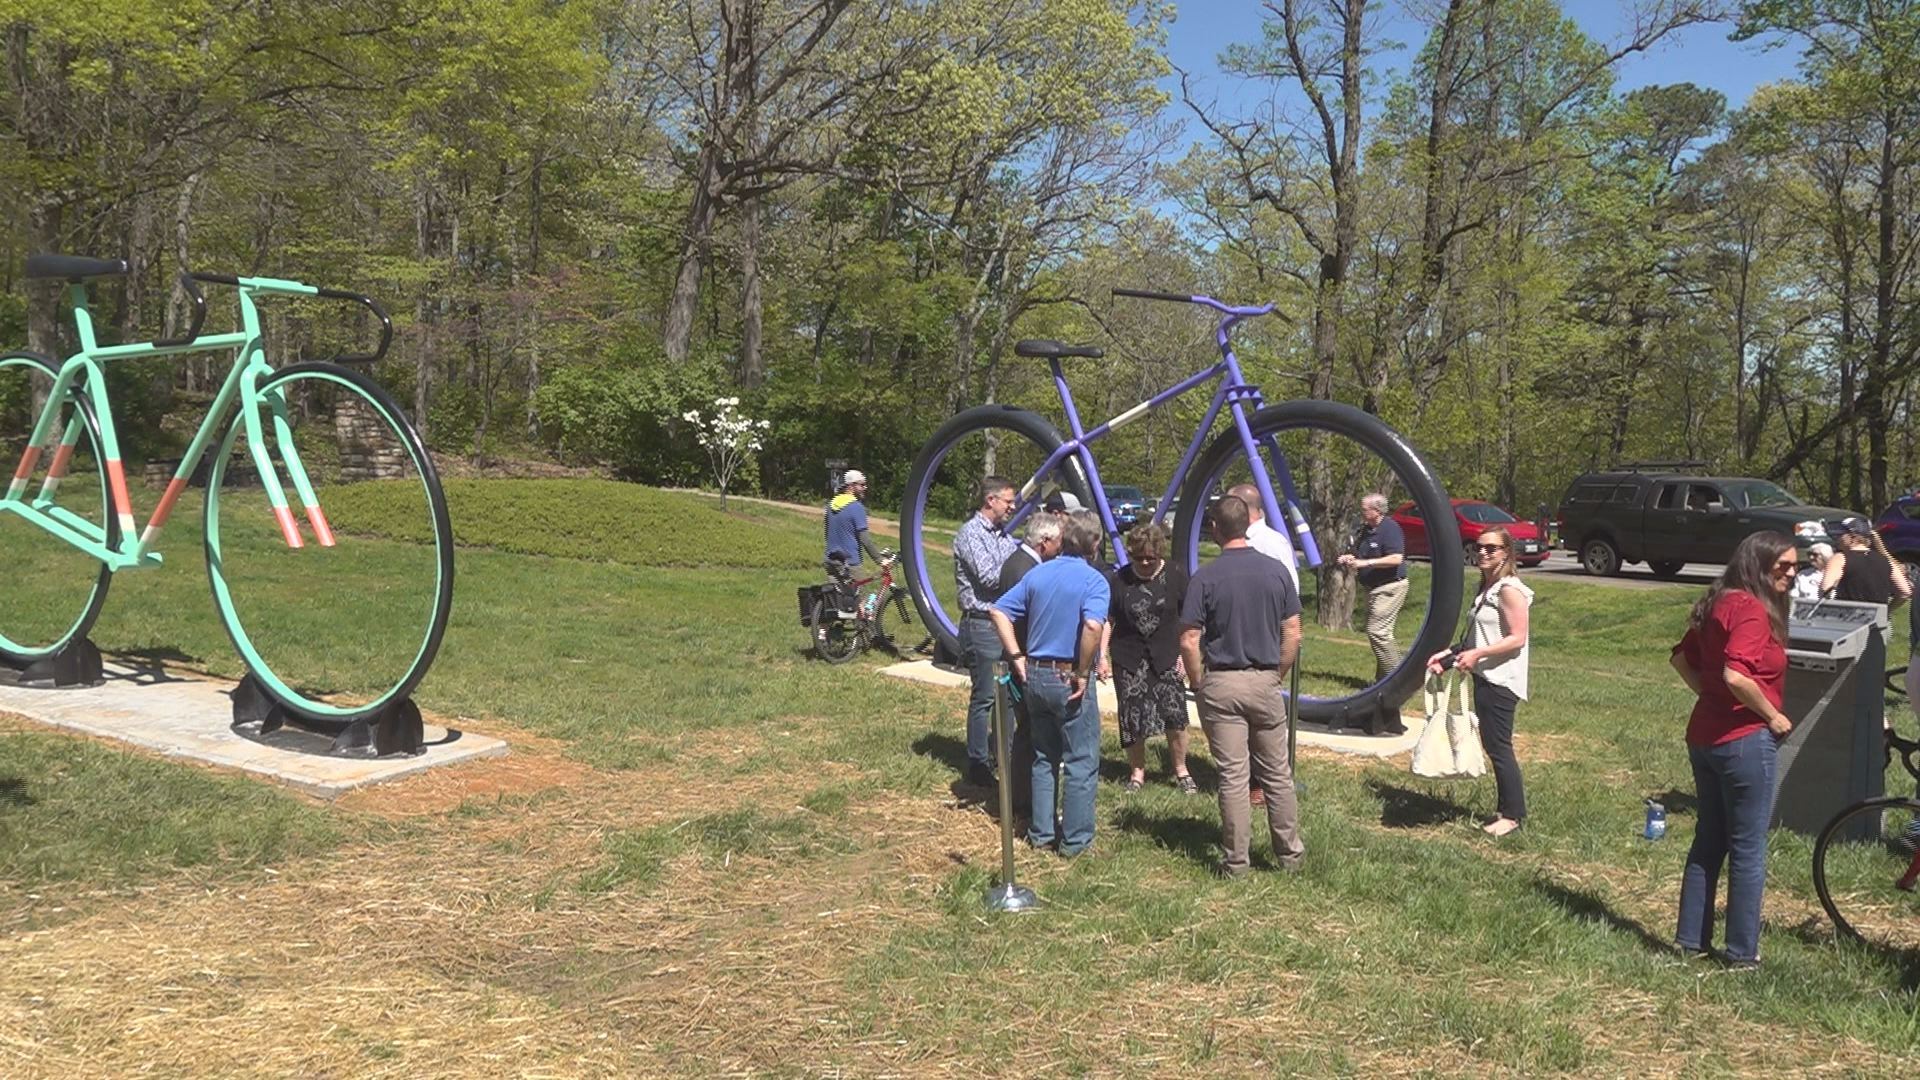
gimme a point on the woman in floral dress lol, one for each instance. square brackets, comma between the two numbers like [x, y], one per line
[1143, 653]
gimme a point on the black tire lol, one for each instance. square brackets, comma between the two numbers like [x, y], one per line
[835, 640]
[24, 642]
[1910, 562]
[1857, 859]
[423, 637]
[941, 622]
[1365, 704]
[905, 631]
[1599, 557]
[1666, 568]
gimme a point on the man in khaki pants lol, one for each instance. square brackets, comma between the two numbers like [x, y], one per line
[1241, 633]
[1379, 562]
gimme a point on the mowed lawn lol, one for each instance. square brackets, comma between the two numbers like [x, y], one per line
[709, 854]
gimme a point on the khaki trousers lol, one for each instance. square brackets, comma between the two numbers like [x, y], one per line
[1383, 612]
[1245, 719]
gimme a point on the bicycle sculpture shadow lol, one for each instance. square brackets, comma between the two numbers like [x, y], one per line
[291, 422]
[1342, 452]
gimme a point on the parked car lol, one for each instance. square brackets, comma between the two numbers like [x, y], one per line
[1474, 517]
[1899, 528]
[1667, 518]
[1128, 503]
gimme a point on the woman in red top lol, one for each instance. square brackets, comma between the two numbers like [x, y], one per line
[1734, 657]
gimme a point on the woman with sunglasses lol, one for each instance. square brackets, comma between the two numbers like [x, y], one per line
[1734, 659]
[1497, 659]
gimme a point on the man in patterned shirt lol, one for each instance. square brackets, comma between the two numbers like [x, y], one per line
[980, 550]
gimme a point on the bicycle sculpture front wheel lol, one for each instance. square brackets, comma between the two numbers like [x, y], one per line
[349, 620]
[1866, 868]
[943, 492]
[54, 591]
[836, 634]
[1359, 660]
[901, 637]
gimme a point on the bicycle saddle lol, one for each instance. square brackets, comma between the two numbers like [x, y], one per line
[1054, 350]
[73, 267]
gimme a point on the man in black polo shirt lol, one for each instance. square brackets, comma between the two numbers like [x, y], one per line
[1379, 564]
[1241, 633]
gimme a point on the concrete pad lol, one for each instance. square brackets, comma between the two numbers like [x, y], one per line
[192, 719]
[923, 671]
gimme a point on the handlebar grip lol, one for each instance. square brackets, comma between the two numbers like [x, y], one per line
[199, 315]
[217, 279]
[1145, 294]
[386, 327]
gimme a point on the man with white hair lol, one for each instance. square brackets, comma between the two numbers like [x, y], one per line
[1379, 561]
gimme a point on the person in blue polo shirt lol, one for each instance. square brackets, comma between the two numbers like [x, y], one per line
[846, 526]
[1064, 602]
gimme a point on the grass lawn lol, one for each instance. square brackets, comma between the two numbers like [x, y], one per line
[710, 854]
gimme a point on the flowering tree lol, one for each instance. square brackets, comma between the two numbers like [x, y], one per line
[728, 436]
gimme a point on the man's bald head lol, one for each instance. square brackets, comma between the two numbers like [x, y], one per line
[1247, 493]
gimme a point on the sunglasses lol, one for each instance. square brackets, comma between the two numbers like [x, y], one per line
[1489, 548]
[1785, 566]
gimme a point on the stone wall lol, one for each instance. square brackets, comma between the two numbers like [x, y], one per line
[369, 450]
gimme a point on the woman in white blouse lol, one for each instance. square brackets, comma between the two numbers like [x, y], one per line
[1497, 659]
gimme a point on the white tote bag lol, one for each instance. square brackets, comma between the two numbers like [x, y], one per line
[1449, 746]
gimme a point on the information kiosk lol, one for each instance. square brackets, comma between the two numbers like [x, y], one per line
[1836, 662]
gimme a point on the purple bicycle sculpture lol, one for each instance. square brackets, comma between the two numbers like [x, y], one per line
[1312, 462]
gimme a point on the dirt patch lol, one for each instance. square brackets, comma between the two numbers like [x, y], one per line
[531, 765]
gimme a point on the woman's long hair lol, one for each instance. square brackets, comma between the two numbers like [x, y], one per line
[1508, 566]
[1751, 571]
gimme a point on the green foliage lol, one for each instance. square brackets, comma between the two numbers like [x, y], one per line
[586, 519]
[625, 413]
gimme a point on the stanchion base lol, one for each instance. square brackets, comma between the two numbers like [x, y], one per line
[1011, 897]
[75, 667]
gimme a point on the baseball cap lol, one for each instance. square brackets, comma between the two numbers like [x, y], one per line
[852, 476]
[1855, 525]
[1061, 502]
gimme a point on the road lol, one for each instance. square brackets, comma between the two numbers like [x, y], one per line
[1563, 566]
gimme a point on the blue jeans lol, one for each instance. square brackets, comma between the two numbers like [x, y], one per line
[982, 643]
[1066, 740]
[1734, 782]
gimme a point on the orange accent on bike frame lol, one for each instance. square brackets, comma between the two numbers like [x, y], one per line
[287, 527]
[62, 458]
[321, 531]
[27, 461]
[117, 477]
[165, 510]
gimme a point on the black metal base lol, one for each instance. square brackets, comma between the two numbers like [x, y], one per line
[396, 731]
[946, 659]
[73, 668]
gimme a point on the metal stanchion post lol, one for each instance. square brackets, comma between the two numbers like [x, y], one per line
[1008, 895]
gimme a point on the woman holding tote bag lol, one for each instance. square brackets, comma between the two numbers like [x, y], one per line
[1496, 657]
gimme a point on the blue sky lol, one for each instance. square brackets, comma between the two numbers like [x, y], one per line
[1698, 54]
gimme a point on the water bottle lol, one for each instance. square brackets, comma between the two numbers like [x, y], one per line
[1656, 820]
[868, 603]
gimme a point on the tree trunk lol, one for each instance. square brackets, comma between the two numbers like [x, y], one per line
[695, 239]
[752, 366]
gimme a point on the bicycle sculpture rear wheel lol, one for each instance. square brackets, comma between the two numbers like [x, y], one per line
[1866, 868]
[1335, 454]
[349, 622]
[998, 439]
[836, 634]
[55, 592]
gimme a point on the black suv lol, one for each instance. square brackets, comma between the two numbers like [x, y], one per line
[1665, 517]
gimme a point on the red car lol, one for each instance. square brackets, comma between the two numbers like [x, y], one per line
[1474, 517]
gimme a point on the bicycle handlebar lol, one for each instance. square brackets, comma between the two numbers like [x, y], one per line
[1233, 313]
[291, 288]
[199, 315]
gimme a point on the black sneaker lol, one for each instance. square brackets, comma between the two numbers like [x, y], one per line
[982, 775]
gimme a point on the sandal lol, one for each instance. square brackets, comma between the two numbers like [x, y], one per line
[1186, 785]
[1134, 784]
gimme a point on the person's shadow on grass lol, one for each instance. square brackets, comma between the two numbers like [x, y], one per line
[1405, 808]
[1585, 907]
[1196, 838]
[1816, 930]
[13, 792]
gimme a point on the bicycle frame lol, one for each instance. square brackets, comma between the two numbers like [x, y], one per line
[85, 370]
[1233, 394]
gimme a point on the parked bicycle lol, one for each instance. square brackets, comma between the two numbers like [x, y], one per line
[1342, 452]
[331, 630]
[844, 617]
[1866, 863]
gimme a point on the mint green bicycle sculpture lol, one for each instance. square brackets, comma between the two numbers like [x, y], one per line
[336, 629]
